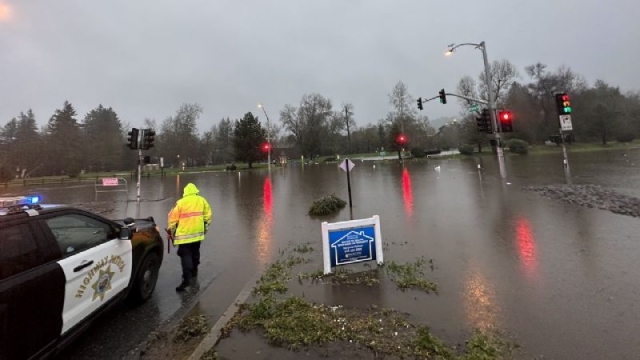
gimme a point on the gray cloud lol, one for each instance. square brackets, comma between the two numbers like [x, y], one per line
[146, 57]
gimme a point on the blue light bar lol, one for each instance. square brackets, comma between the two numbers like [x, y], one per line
[6, 202]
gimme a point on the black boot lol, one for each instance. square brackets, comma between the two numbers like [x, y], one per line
[183, 285]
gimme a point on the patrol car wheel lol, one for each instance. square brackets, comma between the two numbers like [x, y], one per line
[146, 280]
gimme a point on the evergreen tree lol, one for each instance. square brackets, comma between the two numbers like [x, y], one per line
[102, 129]
[27, 144]
[64, 142]
[7, 142]
[248, 136]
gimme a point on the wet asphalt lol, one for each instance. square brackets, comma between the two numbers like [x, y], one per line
[561, 278]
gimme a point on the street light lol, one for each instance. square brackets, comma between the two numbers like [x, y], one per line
[268, 136]
[491, 104]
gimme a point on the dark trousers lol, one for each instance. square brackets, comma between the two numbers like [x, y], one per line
[189, 258]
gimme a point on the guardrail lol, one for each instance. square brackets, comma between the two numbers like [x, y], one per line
[58, 180]
[110, 185]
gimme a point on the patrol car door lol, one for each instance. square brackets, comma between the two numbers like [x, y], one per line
[31, 292]
[96, 264]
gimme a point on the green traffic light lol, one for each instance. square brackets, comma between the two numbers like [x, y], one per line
[567, 110]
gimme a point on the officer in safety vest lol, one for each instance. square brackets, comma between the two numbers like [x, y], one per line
[189, 220]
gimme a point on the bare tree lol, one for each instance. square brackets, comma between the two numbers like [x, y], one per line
[308, 122]
[350, 123]
[401, 101]
[467, 86]
[291, 121]
[503, 74]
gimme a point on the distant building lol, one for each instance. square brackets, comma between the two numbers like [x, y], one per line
[286, 154]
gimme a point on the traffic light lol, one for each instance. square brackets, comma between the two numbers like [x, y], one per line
[506, 118]
[420, 103]
[148, 136]
[132, 139]
[265, 147]
[563, 104]
[443, 97]
[401, 139]
[484, 121]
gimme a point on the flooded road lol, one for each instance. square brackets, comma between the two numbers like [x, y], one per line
[561, 279]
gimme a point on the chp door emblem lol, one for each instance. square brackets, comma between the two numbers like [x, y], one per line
[102, 284]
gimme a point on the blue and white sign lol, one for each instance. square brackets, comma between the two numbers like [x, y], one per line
[350, 242]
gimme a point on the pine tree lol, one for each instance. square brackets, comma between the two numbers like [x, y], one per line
[65, 143]
[102, 129]
[248, 136]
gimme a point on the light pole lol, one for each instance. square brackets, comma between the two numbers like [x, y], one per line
[491, 104]
[268, 136]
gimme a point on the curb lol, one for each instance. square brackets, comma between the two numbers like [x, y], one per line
[214, 334]
[138, 352]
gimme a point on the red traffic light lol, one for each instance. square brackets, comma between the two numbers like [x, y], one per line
[401, 139]
[505, 116]
[506, 119]
[266, 147]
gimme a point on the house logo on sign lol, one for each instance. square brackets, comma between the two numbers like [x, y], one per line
[355, 246]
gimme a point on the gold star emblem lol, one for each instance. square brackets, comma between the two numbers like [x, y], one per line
[103, 284]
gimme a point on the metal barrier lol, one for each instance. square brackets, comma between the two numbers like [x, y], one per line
[111, 185]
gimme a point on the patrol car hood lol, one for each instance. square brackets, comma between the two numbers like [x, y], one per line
[138, 223]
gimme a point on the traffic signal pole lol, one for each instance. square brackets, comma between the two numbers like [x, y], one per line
[479, 101]
[491, 106]
[563, 105]
[140, 163]
[139, 173]
[491, 103]
[567, 171]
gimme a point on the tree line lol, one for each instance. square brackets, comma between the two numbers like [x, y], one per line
[600, 112]
[69, 145]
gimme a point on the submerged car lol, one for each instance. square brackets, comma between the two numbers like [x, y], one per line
[60, 267]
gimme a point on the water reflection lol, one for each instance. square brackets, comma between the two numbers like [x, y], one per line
[526, 246]
[265, 240]
[480, 301]
[407, 193]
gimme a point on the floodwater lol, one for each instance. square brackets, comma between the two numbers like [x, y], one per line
[562, 280]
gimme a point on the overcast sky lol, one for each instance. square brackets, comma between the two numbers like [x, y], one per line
[145, 58]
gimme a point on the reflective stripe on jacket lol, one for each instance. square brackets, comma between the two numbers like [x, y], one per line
[191, 216]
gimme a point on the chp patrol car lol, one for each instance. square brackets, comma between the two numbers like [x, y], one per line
[60, 267]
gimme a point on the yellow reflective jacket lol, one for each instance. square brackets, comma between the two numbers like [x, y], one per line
[191, 216]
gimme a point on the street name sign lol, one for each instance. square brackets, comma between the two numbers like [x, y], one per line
[474, 108]
[349, 242]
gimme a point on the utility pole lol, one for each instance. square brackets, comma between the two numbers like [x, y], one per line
[346, 117]
[142, 131]
[491, 105]
[268, 137]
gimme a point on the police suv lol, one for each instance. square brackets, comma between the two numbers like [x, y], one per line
[61, 266]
